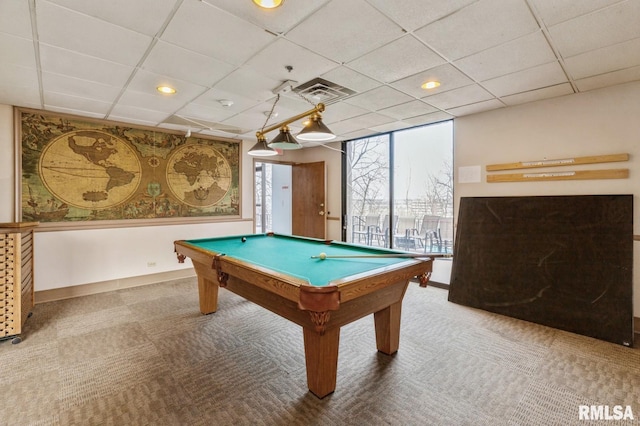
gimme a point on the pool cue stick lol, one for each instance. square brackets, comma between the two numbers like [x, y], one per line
[373, 256]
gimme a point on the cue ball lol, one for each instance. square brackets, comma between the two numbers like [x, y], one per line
[323, 256]
[244, 239]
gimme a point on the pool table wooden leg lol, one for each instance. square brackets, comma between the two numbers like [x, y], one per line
[388, 328]
[207, 290]
[321, 354]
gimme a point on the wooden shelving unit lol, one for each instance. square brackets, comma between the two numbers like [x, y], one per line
[16, 278]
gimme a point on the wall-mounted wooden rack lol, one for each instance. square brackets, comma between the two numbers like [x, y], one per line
[559, 162]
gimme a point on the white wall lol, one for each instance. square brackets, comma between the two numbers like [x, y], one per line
[281, 206]
[599, 122]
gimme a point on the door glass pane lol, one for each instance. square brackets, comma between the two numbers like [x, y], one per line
[423, 188]
[367, 186]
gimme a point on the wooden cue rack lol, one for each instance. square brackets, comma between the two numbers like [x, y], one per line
[16, 277]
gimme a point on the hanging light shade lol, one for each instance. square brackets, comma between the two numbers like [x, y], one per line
[268, 4]
[284, 140]
[315, 130]
[261, 149]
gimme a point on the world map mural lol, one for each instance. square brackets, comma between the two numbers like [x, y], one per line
[76, 169]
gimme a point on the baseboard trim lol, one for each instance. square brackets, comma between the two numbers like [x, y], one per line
[44, 296]
[636, 326]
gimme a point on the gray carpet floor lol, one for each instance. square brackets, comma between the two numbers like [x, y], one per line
[146, 356]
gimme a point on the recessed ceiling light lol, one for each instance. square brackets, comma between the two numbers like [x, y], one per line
[268, 4]
[431, 84]
[166, 90]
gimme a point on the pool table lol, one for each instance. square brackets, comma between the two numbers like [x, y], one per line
[279, 273]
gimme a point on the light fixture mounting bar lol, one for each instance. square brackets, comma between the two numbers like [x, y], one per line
[318, 108]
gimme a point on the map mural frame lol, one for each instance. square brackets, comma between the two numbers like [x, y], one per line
[78, 172]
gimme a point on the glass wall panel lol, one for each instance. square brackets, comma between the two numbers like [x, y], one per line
[367, 191]
[399, 189]
[423, 188]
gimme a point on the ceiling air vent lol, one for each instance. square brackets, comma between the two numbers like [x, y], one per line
[319, 90]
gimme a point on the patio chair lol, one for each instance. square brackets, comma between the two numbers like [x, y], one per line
[445, 235]
[406, 234]
[364, 228]
[429, 232]
[383, 233]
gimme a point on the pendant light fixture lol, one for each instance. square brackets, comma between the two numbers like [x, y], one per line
[315, 130]
[261, 149]
[284, 140]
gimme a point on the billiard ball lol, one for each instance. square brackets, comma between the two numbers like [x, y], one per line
[244, 239]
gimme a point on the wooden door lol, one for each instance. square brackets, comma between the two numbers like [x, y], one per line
[308, 218]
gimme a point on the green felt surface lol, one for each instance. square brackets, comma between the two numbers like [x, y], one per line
[292, 255]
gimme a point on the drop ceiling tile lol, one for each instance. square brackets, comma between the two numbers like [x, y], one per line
[279, 20]
[408, 110]
[272, 60]
[142, 116]
[15, 75]
[608, 79]
[77, 87]
[515, 55]
[62, 100]
[143, 16]
[74, 31]
[66, 62]
[371, 120]
[344, 30]
[458, 97]
[476, 108]
[378, 98]
[449, 77]
[144, 84]
[345, 127]
[341, 111]
[390, 127]
[17, 51]
[619, 56]
[530, 79]
[483, 24]
[350, 79]
[413, 14]
[78, 112]
[538, 94]
[248, 83]
[15, 18]
[174, 61]
[207, 106]
[153, 102]
[357, 134]
[433, 117]
[612, 25]
[21, 87]
[553, 11]
[204, 29]
[407, 54]
[251, 121]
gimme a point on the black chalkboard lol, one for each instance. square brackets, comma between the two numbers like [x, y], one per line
[561, 261]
